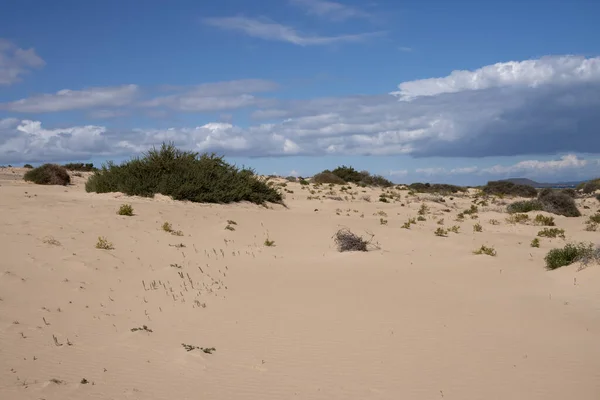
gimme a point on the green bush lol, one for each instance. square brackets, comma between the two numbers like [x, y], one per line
[558, 203]
[362, 178]
[590, 187]
[182, 175]
[48, 174]
[81, 167]
[28, 166]
[569, 192]
[524, 206]
[506, 188]
[543, 220]
[572, 252]
[441, 188]
[328, 177]
[552, 233]
[125, 209]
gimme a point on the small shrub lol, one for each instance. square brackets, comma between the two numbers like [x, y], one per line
[348, 241]
[490, 251]
[423, 210]
[535, 243]
[328, 177]
[383, 199]
[48, 174]
[383, 221]
[441, 232]
[80, 167]
[494, 222]
[167, 227]
[595, 218]
[304, 182]
[28, 166]
[552, 233]
[591, 226]
[406, 225]
[421, 218]
[477, 228]
[543, 220]
[125, 209]
[524, 206]
[517, 218]
[572, 252]
[454, 229]
[269, 243]
[104, 244]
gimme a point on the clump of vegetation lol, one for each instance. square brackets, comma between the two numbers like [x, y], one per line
[477, 228]
[440, 188]
[494, 222]
[517, 218]
[143, 328]
[506, 188]
[552, 233]
[595, 218]
[535, 242]
[441, 232]
[490, 251]
[350, 175]
[269, 243]
[454, 229]
[167, 227]
[28, 166]
[383, 221]
[590, 186]
[104, 244]
[190, 347]
[48, 174]
[125, 209]
[349, 241]
[571, 253]
[423, 210]
[328, 177]
[81, 167]
[558, 203]
[525, 206]
[569, 192]
[421, 218]
[383, 198]
[291, 179]
[229, 227]
[183, 175]
[471, 211]
[543, 220]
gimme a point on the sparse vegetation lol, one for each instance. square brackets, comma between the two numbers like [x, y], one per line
[104, 244]
[552, 233]
[28, 166]
[454, 229]
[494, 222]
[543, 220]
[423, 210]
[183, 175]
[441, 232]
[81, 167]
[143, 328]
[48, 174]
[190, 347]
[517, 218]
[558, 203]
[569, 254]
[535, 242]
[440, 188]
[125, 209]
[269, 243]
[490, 251]
[477, 228]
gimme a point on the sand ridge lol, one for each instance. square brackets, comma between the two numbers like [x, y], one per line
[421, 317]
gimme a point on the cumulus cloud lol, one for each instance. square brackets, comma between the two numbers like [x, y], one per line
[66, 99]
[569, 161]
[329, 9]
[532, 73]
[16, 62]
[269, 30]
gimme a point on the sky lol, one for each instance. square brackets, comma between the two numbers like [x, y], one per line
[440, 91]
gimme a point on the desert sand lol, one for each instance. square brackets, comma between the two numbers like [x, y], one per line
[420, 317]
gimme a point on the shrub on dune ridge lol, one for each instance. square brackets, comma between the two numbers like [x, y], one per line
[48, 174]
[509, 189]
[183, 175]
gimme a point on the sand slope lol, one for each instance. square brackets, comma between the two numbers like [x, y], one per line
[420, 318]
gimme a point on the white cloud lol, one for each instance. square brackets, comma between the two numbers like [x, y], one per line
[569, 161]
[405, 49]
[66, 99]
[331, 10]
[564, 69]
[399, 172]
[15, 62]
[431, 171]
[269, 30]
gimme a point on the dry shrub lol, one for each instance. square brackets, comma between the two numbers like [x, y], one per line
[348, 241]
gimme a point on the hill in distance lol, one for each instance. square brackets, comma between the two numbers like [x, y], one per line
[529, 182]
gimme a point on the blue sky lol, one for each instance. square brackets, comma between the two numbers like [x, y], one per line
[460, 91]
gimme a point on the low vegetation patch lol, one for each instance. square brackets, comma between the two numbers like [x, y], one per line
[477, 228]
[81, 167]
[440, 188]
[517, 218]
[28, 166]
[543, 220]
[590, 186]
[535, 242]
[490, 251]
[48, 174]
[125, 209]
[558, 203]
[183, 175]
[552, 233]
[571, 253]
[104, 244]
[441, 232]
[269, 243]
[525, 206]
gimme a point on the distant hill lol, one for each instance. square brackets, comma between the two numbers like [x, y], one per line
[529, 182]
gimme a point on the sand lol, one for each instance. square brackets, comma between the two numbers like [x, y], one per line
[422, 317]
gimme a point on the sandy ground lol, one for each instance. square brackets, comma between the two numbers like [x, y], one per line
[420, 318]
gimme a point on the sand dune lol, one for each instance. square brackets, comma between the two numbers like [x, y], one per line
[422, 317]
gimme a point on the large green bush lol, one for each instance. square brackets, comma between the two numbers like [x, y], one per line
[350, 175]
[525, 206]
[560, 203]
[569, 254]
[183, 175]
[328, 177]
[506, 188]
[48, 174]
